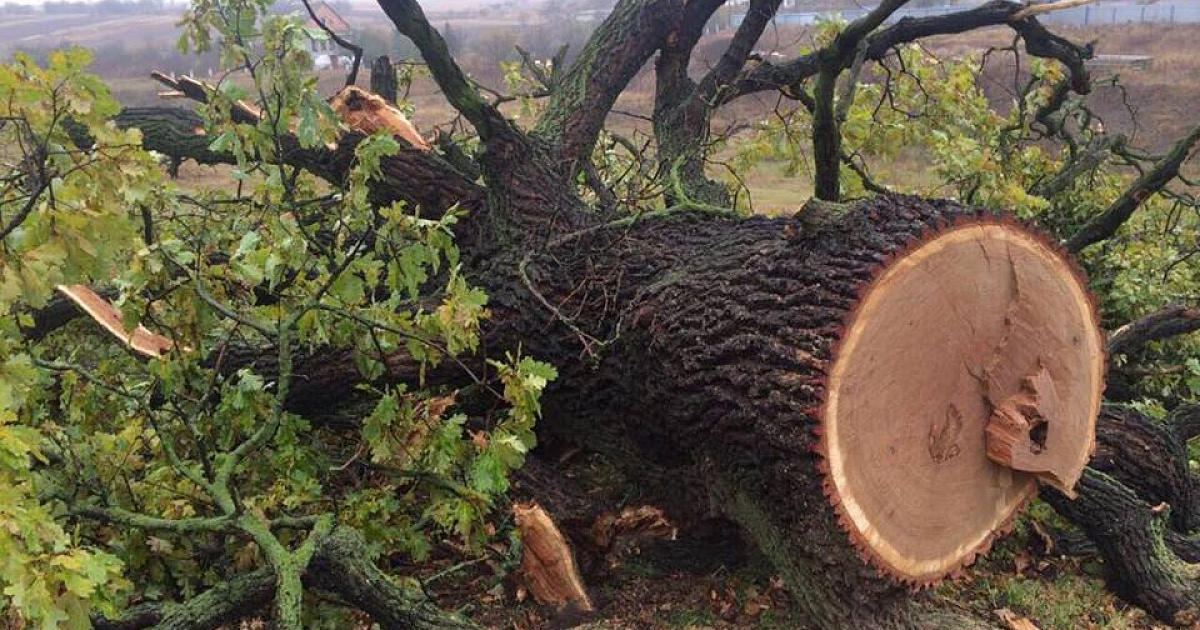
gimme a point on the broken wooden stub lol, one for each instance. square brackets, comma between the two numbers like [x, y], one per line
[1024, 433]
[971, 367]
[548, 567]
[369, 113]
[140, 340]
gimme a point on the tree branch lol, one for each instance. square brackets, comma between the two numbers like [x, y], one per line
[216, 524]
[352, 77]
[220, 605]
[1106, 224]
[1129, 535]
[848, 48]
[1171, 321]
[1090, 158]
[342, 565]
[612, 57]
[410, 20]
[1185, 420]
[1039, 42]
[758, 15]
[421, 178]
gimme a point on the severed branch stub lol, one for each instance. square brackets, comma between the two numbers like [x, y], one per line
[548, 568]
[1025, 433]
[368, 113]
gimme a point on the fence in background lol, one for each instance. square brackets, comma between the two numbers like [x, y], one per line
[1183, 12]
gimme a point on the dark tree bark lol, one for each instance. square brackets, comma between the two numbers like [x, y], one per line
[340, 565]
[383, 79]
[683, 108]
[1150, 458]
[1129, 534]
[1170, 321]
[420, 178]
[1152, 181]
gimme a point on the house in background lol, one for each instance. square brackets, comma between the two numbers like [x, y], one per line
[325, 52]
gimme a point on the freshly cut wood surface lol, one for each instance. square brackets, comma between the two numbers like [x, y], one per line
[948, 332]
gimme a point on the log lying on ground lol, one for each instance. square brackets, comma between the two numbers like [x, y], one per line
[831, 379]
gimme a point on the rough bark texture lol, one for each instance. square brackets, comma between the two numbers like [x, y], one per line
[383, 79]
[342, 565]
[1151, 459]
[689, 340]
[704, 342]
[416, 176]
[1164, 172]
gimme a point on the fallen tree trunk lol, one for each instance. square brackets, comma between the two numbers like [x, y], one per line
[831, 378]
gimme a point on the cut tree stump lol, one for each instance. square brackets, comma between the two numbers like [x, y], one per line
[940, 341]
[827, 380]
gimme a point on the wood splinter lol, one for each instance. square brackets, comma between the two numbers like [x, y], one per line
[140, 339]
[369, 113]
[548, 567]
[1026, 433]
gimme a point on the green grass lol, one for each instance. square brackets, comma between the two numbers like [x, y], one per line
[1069, 596]
[689, 618]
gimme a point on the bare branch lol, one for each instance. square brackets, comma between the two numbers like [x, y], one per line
[1170, 321]
[352, 77]
[849, 49]
[1039, 9]
[768, 76]
[758, 15]
[410, 20]
[1152, 181]
[1090, 158]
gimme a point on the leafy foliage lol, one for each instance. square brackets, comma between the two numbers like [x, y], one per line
[917, 108]
[107, 455]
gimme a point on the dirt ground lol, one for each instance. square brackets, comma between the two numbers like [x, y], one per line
[657, 584]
